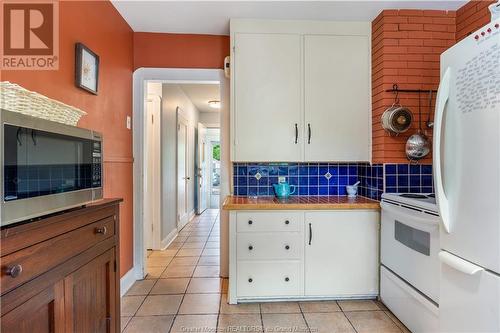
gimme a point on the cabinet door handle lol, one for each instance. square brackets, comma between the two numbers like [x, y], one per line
[14, 271]
[310, 233]
[101, 230]
[309, 134]
[296, 133]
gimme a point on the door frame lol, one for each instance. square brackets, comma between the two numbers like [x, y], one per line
[141, 77]
[155, 236]
[201, 175]
[182, 120]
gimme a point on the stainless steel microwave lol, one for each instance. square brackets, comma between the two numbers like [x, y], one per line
[46, 167]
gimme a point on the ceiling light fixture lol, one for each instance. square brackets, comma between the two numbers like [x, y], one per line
[214, 104]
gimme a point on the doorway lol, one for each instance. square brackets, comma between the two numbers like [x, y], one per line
[203, 172]
[183, 178]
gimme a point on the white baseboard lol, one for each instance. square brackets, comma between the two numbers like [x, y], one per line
[127, 281]
[169, 239]
[192, 214]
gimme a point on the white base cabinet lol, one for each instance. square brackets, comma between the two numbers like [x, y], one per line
[283, 255]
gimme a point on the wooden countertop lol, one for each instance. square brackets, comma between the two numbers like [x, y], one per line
[299, 203]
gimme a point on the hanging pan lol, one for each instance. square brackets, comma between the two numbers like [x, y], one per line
[418, 145]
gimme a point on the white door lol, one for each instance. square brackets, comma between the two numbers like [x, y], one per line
[267, 97]
[467, 149]
[201, 162]
[337, 98]
[341, 255]
[182, 171]
[152, 175]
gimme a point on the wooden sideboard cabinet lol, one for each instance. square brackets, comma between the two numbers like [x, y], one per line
[61, 273]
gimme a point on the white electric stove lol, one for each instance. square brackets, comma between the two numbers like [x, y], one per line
[409, 273]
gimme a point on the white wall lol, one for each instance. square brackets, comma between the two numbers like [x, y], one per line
[173, 97]
[210, 119]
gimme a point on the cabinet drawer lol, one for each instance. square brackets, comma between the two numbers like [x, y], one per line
[269, 246]
[259, 221]
[39, 258]
[269, 279]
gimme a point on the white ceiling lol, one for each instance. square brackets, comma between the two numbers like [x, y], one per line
[212, 17]
[200, 94]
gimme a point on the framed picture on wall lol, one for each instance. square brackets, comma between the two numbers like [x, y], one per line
[86, 68]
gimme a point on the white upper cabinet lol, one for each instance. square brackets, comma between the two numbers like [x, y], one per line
[295, 80]
[337, 98]
[267, 90]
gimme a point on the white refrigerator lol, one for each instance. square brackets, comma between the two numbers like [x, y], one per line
[467, 182]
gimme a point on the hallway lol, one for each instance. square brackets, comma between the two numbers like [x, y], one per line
[183, 293]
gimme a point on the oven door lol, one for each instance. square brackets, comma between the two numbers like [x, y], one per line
[410, 247]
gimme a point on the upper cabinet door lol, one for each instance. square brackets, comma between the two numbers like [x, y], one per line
[267, 97]
[337, 98]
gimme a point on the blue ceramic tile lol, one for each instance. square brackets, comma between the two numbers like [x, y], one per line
[343, 181]
[273, 180]
[323, 190]
[343, 170]
[303, 181]
[303, 170]
[264, 170]
[264, 181]
[352, 180]
[342, 190]
[303, 190]
[293, 180]
[402, 181]
[391, 189]
[242, 170]
[323, 170]
[427, 180]
[427, 189]
[264, 190]
[426, 169]
[353, 170]
[313, 169]
[333, 169]
[283, 170]
[323, 181]
[313, 190]
[273, 170]
[403, 189]
[242, 181]
[402, 169]
[390, 180]
[415, 180]
[333, 190]
[414, 189]
[293, 170]
[333, 181]
[252, 190]
[415, 169]
[235, 180]
[242, 191]
[252, 181]
[390, 169]
[252, 170]
[313, 180]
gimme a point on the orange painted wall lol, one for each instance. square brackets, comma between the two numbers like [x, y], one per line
[98, 25]
[179, 50]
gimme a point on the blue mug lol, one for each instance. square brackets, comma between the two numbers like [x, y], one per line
[282, 190]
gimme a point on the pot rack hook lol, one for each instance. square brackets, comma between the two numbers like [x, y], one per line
[396, 91]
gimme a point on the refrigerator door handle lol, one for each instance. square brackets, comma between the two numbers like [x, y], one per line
[459, 264]
[442, 98]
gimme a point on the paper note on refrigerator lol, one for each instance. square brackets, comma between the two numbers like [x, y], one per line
[478, 82]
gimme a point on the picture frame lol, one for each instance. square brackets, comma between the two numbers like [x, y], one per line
[86, 68]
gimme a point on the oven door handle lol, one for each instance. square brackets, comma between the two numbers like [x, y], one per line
[414, 220]
[459, 264]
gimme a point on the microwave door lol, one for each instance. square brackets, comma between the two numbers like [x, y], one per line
[15, 162]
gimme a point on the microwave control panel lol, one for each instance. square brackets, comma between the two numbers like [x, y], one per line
[96, 164]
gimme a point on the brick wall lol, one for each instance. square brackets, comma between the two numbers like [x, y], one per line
[471, 17]
[406, 45]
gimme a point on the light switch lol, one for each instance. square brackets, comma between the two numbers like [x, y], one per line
[129, 122]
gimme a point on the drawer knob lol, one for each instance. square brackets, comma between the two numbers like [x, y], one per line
[250, 221]
[287, 279]
[250, 247]
[14, 271]
[287, 247]
[101, 230]
[250, 280]
[287, 222]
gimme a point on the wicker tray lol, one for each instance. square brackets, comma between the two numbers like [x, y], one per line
[17, 99]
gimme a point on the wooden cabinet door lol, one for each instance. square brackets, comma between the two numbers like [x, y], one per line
[90, 296]
[267, 97]
[341, 255]
[337, 98]
[42, 313]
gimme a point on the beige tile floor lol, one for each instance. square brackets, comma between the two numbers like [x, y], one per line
[183, 293]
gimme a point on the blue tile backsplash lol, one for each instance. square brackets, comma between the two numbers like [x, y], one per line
[314, 179]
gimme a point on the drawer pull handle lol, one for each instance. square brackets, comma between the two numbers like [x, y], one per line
[250, 280]
[287, 247]
[101, 230]
[250, 247]
[14, 271]
[287, 279]
[287, 222]
[250, 221]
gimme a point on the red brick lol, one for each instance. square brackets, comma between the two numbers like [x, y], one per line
[419, 19]
[419, 49]
[436, 27]
[420, 34]
[410, 27]
[443, 20]
[411, 12]
[411, 42]
[443, 35]
[440, 13]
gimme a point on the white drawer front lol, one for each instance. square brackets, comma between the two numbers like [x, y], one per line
[260, 221]
[269, 279]
[269, 246]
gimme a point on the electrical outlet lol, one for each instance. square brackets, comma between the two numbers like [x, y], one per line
[129, 122]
